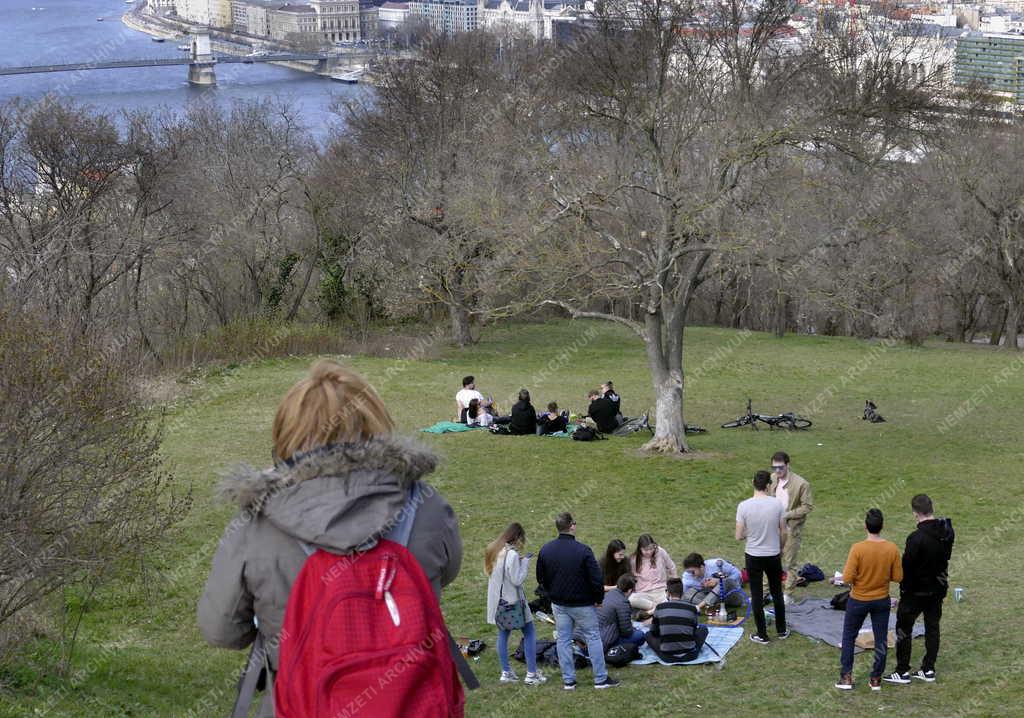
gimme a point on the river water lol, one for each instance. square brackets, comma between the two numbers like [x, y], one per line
[62, 31]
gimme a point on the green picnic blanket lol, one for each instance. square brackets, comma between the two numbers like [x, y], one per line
[445, 427]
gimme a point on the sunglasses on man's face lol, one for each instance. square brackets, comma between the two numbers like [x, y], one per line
[778, 468]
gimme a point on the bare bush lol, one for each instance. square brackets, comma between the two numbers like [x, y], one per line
[83, 493]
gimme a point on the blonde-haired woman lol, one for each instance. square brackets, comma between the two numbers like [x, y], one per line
[508, 568]
[339, 481]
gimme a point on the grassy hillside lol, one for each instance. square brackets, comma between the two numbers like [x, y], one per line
[141, 655]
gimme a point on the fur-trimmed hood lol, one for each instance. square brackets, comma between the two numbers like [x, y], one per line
[337, 497]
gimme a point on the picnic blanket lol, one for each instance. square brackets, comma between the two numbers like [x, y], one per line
[815, 618]
[445, 427]
[720, 638]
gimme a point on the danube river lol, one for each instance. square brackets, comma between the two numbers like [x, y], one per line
[37, 32]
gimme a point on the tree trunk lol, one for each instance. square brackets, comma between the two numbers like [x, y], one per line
[1013, 312]
[669, 428]
[461, 334]
[781, 314]
[997, 329]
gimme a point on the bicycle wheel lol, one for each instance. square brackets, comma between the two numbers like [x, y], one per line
[736, 424]
[799, 423]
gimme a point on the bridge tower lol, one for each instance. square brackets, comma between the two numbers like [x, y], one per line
[200, 69]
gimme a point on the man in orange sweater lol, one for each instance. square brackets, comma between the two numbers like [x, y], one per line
[870, 567]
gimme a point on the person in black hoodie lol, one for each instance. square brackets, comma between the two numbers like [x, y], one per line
[602, 411]
[609, 393]
[524, 416]
[922, 590]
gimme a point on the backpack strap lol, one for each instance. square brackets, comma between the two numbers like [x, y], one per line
[249, 680]
[402, 530]
[400, 534]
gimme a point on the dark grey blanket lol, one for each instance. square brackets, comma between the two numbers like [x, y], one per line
[814, 617]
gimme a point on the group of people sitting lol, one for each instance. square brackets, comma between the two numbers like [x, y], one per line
[644, 586]
[474, 409]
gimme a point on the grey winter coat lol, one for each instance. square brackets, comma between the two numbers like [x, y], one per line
[335, 499]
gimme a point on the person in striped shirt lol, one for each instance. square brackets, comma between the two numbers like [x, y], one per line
[676, 634]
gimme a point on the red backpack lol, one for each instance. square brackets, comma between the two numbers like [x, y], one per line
[366, 635]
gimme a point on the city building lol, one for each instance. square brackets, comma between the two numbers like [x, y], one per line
[337, 20]
[212, 13]
[253, 16]
[532, 17]
[368, 14]
[995, 60]
[392, 14]
[447, 15]
[293, 23]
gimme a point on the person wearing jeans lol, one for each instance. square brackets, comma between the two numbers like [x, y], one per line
[508, 570]
[922, 590]
[760, 522]
[871, 565]
[582, 620]
[568, 573]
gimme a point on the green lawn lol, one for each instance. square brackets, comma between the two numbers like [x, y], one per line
[141, 655]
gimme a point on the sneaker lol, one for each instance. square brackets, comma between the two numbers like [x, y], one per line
[608, 682]
[897, 677]
[509, 677]
[758, 639]
[875, 682]
[535, 679]
[845, 682]
[569, 686]
[926, 676]
[784, 635]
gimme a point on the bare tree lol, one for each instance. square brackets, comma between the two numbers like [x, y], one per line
[673, 121]
[978, 198]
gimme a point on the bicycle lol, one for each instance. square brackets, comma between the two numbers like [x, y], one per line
[787, 420]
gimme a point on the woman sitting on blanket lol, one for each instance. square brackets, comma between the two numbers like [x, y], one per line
[614, 564]
[653, 567]
[551, 422]
[477, 415]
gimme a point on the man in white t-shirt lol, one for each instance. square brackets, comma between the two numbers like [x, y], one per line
[759, 521]
[466, 395]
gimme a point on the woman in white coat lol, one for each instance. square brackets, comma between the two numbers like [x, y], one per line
[508, 568]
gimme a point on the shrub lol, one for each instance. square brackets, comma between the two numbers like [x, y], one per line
[83, 494]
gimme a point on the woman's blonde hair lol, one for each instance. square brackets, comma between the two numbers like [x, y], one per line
[514, 535]
[331, 405]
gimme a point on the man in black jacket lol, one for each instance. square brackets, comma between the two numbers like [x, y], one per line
[603, 412]
[924, 585]
[569, 574]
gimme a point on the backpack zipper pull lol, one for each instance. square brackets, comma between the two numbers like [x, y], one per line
[392, 608]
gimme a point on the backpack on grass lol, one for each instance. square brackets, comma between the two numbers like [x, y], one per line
[366, 629]
[586, 433]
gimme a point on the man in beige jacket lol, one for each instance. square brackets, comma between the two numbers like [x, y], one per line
[795, 494]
